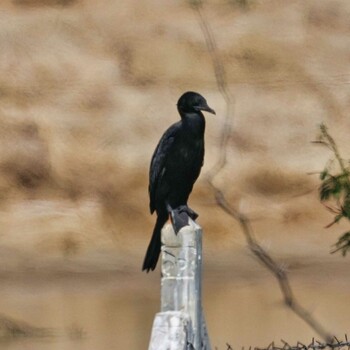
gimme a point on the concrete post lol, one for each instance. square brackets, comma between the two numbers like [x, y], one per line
[180, 325]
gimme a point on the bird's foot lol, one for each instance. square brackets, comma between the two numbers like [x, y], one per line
[179, 216]
[186, 209]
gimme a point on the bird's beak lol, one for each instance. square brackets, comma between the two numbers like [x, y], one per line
[205, 108]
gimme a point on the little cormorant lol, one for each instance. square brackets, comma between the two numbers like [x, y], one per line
[175, 166]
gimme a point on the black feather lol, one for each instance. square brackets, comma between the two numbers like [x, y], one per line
[175, 166]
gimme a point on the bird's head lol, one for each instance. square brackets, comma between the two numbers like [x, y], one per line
[192, 102]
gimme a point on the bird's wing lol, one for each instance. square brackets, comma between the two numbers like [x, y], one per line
[157, 167]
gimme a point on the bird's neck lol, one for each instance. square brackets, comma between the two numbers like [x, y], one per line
[194, 123]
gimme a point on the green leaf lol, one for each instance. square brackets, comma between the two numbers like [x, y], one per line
[331, 187]
[323, 174]
[338, 218]
[346, 206]
[343, 244]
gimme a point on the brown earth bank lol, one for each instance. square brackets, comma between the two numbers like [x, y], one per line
[86, 90]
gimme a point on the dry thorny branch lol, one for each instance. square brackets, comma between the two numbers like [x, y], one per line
[263, 257]
[314, 345]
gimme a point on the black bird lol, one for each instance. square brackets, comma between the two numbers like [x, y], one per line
[175, 166]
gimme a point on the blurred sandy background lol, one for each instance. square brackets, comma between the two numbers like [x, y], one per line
[86, 90]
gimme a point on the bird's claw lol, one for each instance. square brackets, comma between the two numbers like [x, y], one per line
[180, 215]
[185, 209]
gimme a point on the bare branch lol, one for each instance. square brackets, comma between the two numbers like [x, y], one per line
[335, 344]
[263, 257]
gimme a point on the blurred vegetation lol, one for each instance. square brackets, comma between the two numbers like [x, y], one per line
[44, 2]
[243, 4]
[335, 188]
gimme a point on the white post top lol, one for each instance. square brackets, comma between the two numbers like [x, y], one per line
[180, 325]
[170, 239]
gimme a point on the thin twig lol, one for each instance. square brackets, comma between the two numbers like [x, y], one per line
[335, 344]
[220, 198]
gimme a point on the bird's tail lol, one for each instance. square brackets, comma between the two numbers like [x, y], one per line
[153, 250]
